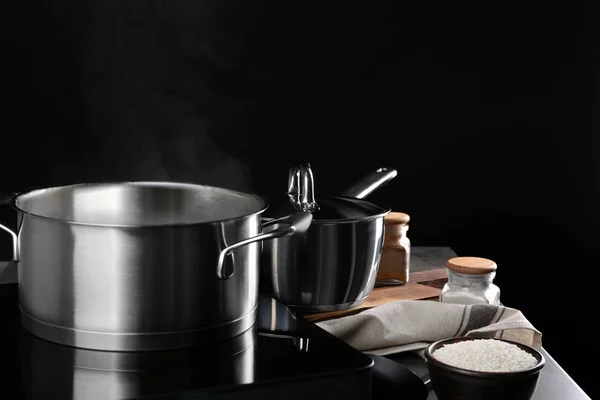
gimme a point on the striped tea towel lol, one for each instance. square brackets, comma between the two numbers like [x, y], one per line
[412, 325]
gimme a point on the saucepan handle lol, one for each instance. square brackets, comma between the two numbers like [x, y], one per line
[288, 226]
[5, 200]
[370, 182]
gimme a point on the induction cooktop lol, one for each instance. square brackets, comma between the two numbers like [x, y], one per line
[282, 356]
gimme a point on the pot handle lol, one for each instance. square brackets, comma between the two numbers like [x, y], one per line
[291, 225]
[5, 200]
[369, 183]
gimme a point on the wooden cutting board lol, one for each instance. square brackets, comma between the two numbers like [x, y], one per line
[423, 285]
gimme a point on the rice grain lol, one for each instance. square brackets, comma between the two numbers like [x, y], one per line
[487, 355]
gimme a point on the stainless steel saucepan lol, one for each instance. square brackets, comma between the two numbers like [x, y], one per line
[140, 265]
[334, 264]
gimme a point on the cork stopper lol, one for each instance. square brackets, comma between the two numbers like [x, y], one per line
[471, 265]
[396, 218]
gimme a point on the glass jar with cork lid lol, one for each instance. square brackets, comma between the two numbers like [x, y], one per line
[394, 265]
[470, 281]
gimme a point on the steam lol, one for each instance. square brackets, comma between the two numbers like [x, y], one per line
[146, 81]
[170, 141]
[161, 138]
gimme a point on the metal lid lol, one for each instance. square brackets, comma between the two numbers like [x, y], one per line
[344, 208]
[301, 197]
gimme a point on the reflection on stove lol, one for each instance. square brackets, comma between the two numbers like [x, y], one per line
[301, 344]
[260, 363]
[274, 317]
[277, 321]
[61, 372]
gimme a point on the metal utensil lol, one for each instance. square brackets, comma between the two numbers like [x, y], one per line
[370, 183]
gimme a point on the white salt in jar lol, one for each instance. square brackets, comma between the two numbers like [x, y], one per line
[470, 281]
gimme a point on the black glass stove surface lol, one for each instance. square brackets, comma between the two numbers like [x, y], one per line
[281, 357]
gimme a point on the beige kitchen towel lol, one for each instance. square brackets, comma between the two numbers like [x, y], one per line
[412, 325]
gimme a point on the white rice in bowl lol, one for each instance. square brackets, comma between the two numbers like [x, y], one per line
[486, 355]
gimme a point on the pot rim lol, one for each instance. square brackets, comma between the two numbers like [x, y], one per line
[366, 218]
[351, 220]
[261, 204]
[375, 211]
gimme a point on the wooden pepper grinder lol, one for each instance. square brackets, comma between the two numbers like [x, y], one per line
[394, 266]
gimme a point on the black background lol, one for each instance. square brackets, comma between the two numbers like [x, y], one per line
[488, 110]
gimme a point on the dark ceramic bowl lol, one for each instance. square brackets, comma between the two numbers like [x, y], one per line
[453, 383]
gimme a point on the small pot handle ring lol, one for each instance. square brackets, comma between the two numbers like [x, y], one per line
[290, 225]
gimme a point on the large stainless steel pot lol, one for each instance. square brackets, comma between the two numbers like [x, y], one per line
[140, 265]
[334, 265]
